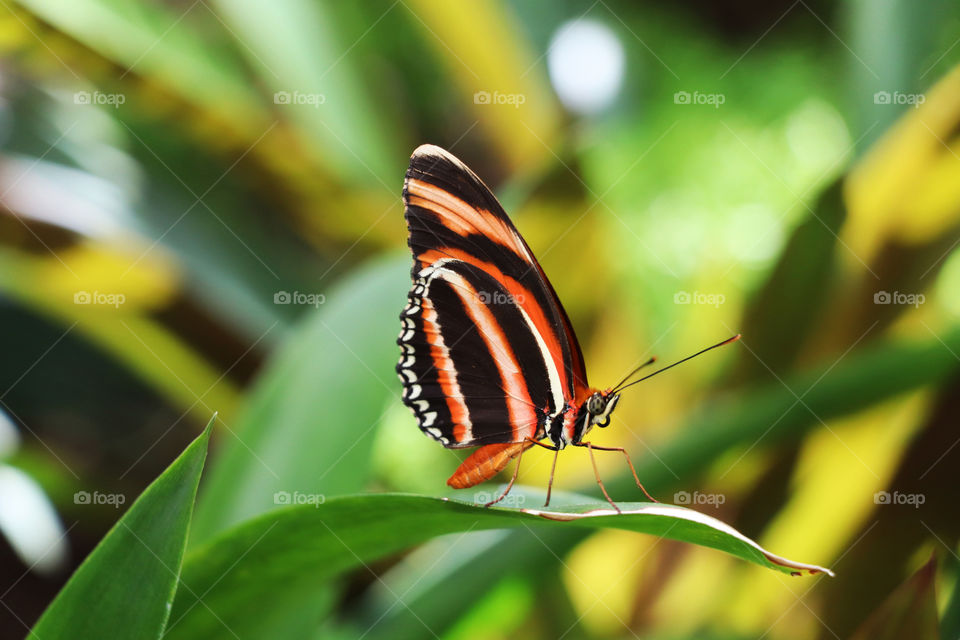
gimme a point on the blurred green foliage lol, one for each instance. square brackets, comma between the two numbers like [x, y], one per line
[200, 211]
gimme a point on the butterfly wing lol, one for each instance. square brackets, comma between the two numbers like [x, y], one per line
[488, 352]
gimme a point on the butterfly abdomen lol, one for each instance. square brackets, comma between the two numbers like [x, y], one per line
[485, 462]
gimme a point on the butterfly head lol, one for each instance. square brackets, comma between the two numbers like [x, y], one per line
[599, 406]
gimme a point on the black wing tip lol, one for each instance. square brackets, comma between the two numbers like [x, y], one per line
[438, 166]
[428, 158]
[432, 151]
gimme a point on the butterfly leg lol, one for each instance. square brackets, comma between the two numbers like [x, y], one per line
[556, 452]
[596, 473]
[516, 472]
[629, 463]
[553, 468]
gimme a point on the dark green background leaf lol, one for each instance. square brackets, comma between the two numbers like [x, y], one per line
[124, 589]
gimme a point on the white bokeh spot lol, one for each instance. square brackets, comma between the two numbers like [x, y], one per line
[586, 64]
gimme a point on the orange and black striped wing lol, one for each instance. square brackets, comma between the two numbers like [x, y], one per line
[487, 351]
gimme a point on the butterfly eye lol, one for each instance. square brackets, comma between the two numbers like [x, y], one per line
[596, 404]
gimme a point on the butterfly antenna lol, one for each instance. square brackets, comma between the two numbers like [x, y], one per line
[701, 352]
[631, 374]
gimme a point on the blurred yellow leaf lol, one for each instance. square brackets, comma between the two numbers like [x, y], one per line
[93, 300]
[838, 472]
[135, 282]
[603, 592]
[495, 72]
[908, 185]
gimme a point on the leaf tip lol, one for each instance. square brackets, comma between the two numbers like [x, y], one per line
[213, 419]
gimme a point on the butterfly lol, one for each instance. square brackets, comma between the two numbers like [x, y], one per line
[488, 357]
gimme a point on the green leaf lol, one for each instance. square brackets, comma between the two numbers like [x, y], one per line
[189, 60]
[293, 550]
[125, 587]
[303, 429]
[297, 47]
[761, 417]
[793, 296]
[950, 620]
